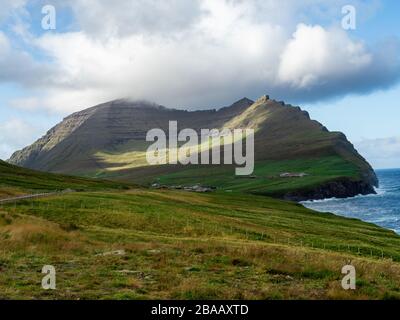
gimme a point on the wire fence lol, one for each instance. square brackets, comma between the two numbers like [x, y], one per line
[220, 230]
[33, 196]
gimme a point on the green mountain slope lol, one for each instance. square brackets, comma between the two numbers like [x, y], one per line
[108, 141]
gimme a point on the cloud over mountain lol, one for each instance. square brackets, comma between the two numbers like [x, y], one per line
[199, 53]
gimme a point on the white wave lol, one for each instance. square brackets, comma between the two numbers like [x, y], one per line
[379, 192]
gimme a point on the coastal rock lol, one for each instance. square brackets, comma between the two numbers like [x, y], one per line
[343, 188]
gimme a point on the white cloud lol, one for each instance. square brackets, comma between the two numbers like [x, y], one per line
[315, 54]
[198, 53]
[15, 134]
[139, 16]
[28, 104]
[382, 153]
[8, 7]
[19, 66]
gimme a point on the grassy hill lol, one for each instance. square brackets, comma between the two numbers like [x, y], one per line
[170, 244]
[16, 181]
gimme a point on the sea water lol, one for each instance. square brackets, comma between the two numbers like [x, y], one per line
[382, 209]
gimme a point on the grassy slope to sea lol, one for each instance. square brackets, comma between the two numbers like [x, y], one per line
[159, 244]
[109, 240]
[265, 180]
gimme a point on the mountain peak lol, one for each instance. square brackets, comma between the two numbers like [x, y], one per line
[263, 99]
[244, 100]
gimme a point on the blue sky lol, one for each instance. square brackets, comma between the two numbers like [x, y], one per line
[203, 53]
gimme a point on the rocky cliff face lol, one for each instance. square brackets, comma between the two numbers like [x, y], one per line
[342, 188]
[283, 132]
[28, 156]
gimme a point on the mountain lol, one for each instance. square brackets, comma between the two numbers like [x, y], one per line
[70, 146]
[108, 141]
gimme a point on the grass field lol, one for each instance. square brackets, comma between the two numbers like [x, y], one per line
[266, 179]
[140, 244]
[16, 181]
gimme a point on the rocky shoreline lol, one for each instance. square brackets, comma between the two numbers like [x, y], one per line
[341, 188]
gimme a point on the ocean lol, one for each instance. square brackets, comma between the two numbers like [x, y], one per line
[382, 209]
